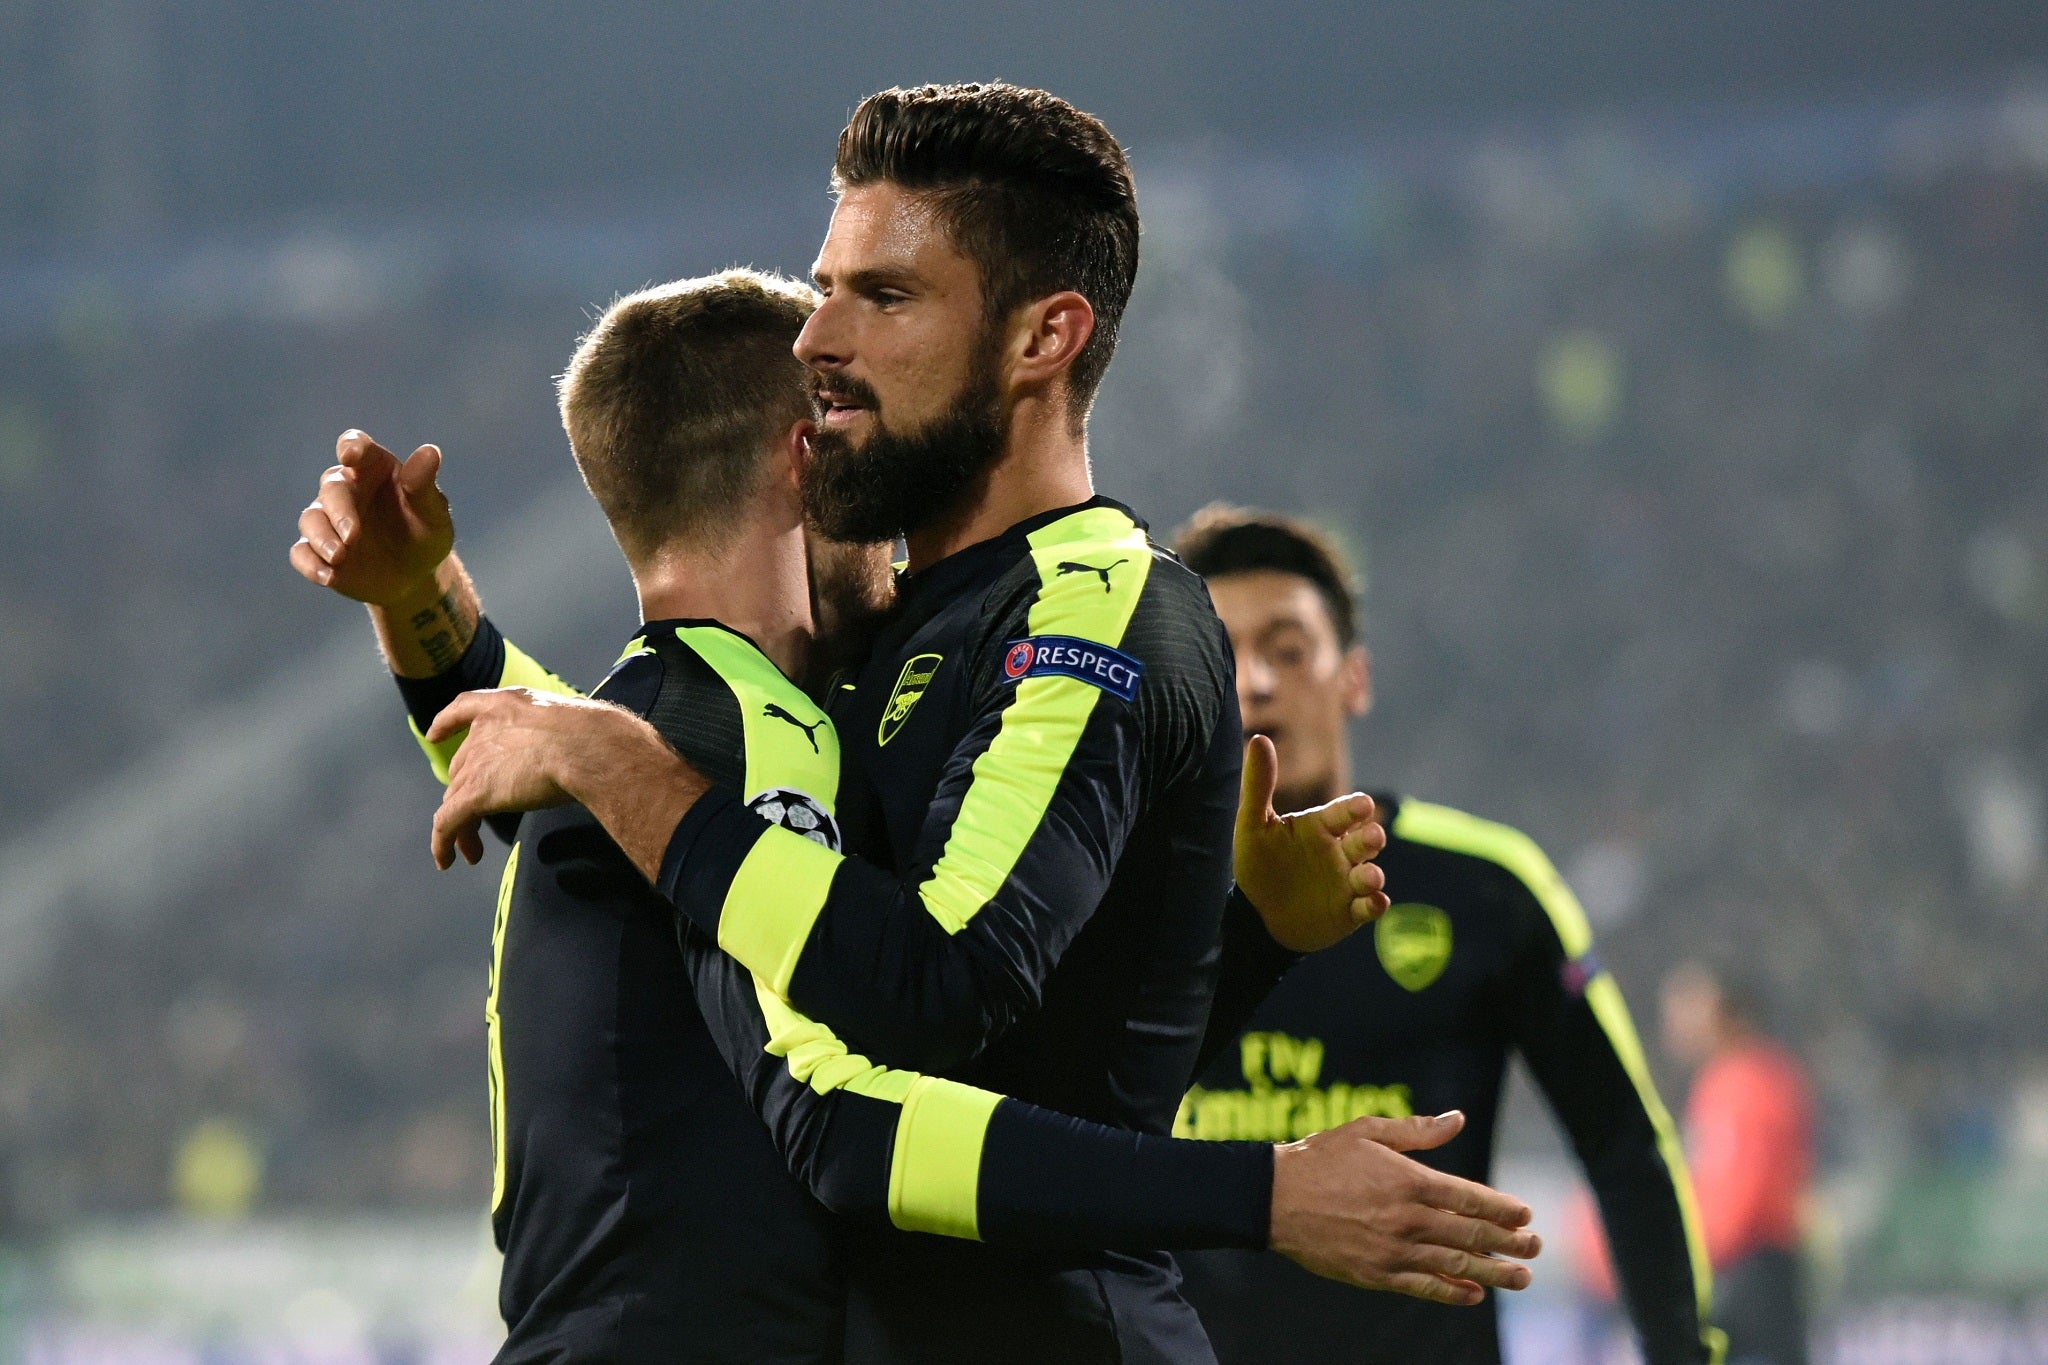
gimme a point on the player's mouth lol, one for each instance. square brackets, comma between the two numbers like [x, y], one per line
[839, 408]
[1271, 732]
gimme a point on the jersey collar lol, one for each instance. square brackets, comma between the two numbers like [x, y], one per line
[970, 562]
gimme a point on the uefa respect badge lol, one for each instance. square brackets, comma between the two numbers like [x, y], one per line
[1063, 656]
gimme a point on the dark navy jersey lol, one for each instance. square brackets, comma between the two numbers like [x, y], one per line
[1484, 951]
[644, 1212]
[1041, 767]
[887, 1148]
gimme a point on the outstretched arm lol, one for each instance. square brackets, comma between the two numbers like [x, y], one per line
[1029, 818]
[950, 991]
[933, 1155]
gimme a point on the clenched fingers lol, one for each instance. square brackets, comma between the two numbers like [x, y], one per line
[316, 528]
[1365, 841]
[311, 566]
[338, 498]
[1340, 815]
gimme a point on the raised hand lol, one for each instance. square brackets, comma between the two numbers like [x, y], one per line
[380, 528]
[1349, 1206]
[380, 532]
[1310, 875]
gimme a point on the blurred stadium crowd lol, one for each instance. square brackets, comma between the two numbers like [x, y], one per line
[1699, 466]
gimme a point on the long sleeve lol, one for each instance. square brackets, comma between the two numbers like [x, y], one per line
[933, 1155]
[1118, 691]
[1250, 964]
[1572, 1026]
[490, 661]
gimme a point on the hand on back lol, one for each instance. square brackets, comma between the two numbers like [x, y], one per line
[380, 527]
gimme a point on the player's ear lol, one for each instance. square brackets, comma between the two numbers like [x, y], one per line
[792, 450]
[1045, 337]
[1357, 681]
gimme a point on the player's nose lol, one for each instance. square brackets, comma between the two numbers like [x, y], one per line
[821, 344]
[1254, 681]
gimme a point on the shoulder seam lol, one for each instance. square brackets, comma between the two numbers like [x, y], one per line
[1507, 848]
[1076, 596]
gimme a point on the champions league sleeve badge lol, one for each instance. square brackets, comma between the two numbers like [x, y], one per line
[799, 813]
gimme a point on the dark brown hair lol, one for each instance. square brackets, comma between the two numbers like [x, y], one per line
[673, 397]
[1221, 539]
[1036, 192]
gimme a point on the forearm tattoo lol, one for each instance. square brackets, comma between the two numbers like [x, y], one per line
[443, 631]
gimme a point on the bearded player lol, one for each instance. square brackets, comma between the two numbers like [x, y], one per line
[1041, 748]
[645, 1204]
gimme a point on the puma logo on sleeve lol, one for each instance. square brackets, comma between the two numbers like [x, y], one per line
[1068, 566]
[810, 731]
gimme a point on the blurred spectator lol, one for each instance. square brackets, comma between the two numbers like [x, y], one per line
[1749, 1141]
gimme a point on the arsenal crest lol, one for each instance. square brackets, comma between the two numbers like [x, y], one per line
[1414, 943]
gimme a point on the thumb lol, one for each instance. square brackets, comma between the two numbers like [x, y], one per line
[456, 716]
[1416, 1133]
[417, 476]
[1261, 780]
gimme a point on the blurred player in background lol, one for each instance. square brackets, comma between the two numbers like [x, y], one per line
[1484, 951]
[1749, 1139]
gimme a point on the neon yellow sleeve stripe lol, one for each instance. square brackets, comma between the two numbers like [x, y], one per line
[520, 670]
[790, 742]
[1015, 777]
[1454, 830]
[1603, 993]
[1013, 783]
[1457, 832]
[935, 1175]
[816, 1057]
[780, 888]
[493, 1032]
[439, 755]
[935, 1166]
[772, 903]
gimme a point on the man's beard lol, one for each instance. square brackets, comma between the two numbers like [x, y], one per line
[897, 483]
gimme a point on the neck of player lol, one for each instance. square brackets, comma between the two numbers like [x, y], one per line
[1044, 466]
[753, 580]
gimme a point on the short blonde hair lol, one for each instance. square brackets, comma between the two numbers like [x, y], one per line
[674, 396]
